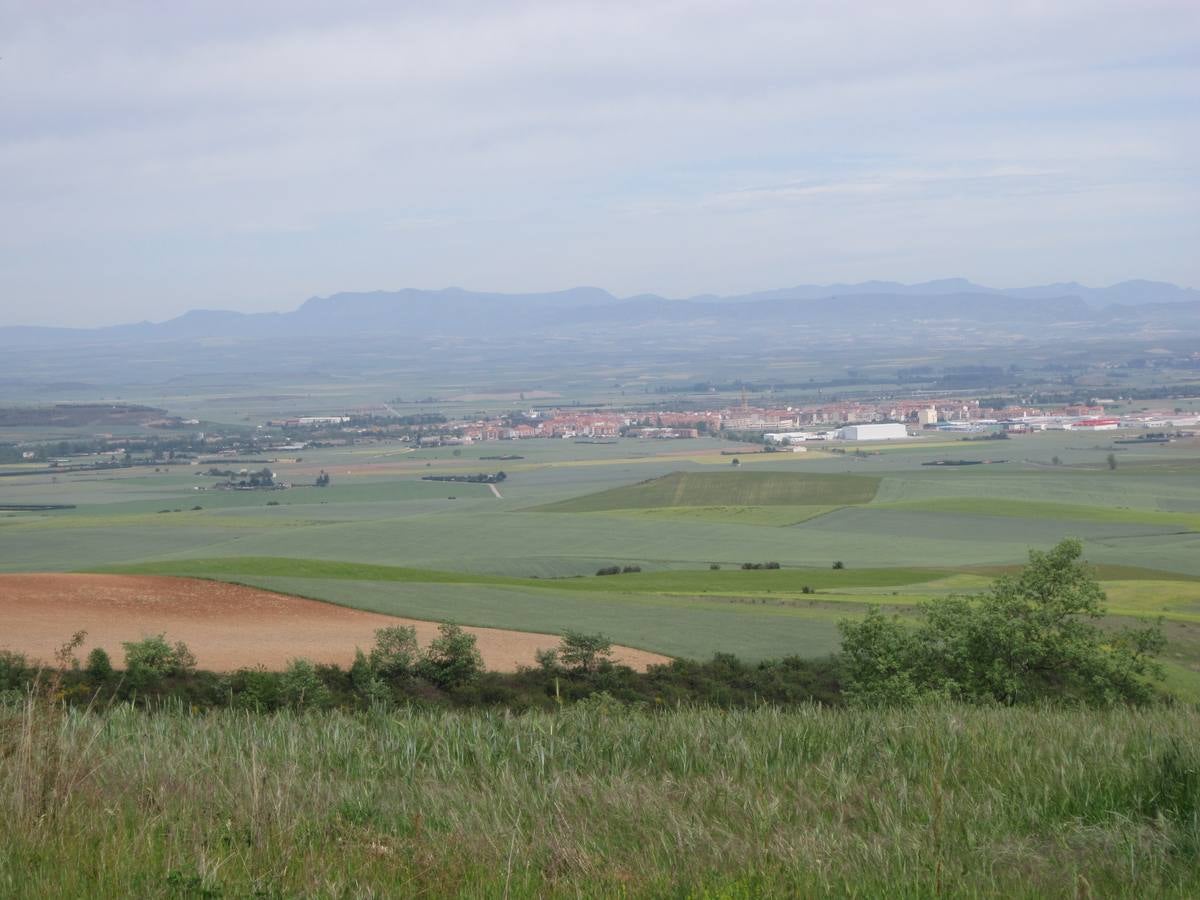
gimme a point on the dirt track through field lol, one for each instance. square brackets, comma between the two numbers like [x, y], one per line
[227, 626]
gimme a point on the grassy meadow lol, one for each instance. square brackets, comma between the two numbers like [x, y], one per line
[601, 800]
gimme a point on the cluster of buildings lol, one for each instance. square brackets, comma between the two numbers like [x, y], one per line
[876, 431]
[892, 419]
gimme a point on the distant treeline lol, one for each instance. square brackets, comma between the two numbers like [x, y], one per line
[1155, 392]
[69, 414]
[481, 478]
[724, 681]
[34, 507]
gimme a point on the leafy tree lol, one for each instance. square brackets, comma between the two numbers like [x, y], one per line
[151, 659]
[99, 667]
[1029, 637]
[301, 687]
[15, 670]
[451, 659]
[838, 564]
[547, 660]
[584, 653]
[255, 689]
[1112, 460]
[264, 477]
[395, 652]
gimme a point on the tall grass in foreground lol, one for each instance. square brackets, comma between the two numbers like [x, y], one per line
[597, 800]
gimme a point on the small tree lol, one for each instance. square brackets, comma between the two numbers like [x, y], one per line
[300, 686]
[584, 653]
[255, 689]
[151, 659]
[547, 660]
[99, 667]
[367, 682]
[15, 670]
[1112, 461]
[395, 652]
[451, 659]
[838, 564]
[1029, 637]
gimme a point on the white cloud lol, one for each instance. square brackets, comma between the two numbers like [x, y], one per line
[265, 152]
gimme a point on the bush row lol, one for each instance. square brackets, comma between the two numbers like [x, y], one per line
[447, 674]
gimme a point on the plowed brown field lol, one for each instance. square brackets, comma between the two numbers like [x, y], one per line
[227, 626]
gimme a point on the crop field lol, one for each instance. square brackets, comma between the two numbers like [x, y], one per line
[707, 489]
[381, 539]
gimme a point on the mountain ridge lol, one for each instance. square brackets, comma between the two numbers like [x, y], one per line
[416, 310]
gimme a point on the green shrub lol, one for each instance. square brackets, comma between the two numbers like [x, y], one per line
[547, 660]
[151, 659]
[99, 667]
[14, 670]
[255, 689]
[584, 653]
[395, 652]
[366, 681]
[452, 658]
[1028, 638]
[300, 687]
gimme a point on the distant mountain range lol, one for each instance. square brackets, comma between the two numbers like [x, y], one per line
[454, 311]
[1126, 293]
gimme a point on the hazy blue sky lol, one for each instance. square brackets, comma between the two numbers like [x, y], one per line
[161, 156]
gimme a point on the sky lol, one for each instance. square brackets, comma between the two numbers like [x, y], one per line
[157, 157]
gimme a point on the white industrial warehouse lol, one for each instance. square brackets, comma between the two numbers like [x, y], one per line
[886, 431]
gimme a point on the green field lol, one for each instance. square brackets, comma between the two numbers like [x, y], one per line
[737, 489]
[380, 538]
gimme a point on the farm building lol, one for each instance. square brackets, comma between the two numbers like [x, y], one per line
[882, 432]
[788, 437]
[1096, 425]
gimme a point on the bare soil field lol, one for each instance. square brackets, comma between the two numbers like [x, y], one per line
[227, 626]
